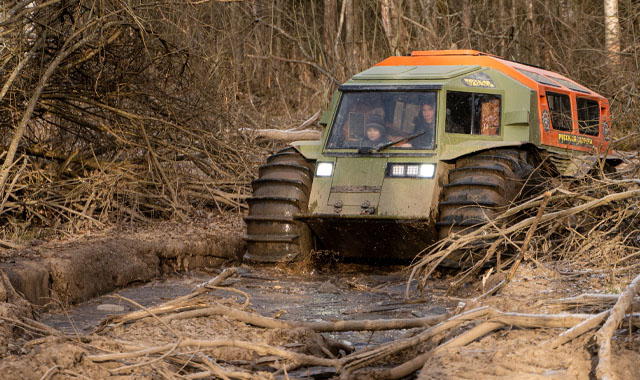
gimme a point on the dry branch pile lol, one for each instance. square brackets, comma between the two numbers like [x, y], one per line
[185, 344]
[584, 227]
[107, 114]
[441, 333]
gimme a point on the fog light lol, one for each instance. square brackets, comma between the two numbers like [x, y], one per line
[427, 170]
[397, 170]
[324, 169]
[412, 170]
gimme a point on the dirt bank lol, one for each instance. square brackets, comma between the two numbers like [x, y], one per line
[75, 271]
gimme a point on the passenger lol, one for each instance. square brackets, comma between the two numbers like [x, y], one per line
[427, 116]
[375, 132]
[425, 121]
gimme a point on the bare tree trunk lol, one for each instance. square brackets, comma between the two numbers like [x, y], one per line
[514, 29]
[357, 31]
[278, 22]
[343, 10]
[529, 6]
[548, 36]
[565, 12]
[467, 21]
[432, 20]
[329, 25]
[348, 25]
[501, 30]
[387, 23]
[612, 31]
[391, 22]
[531, 31]
[349, 32]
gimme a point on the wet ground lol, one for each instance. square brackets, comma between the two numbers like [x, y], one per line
[348, 293]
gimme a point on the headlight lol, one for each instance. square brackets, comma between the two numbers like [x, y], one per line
[402, 170]
[324, 169]
[427, 170]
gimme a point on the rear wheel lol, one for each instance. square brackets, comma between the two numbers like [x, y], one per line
[280, 192]
[480, 187]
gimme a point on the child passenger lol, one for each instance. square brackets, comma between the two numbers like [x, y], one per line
[375, 130]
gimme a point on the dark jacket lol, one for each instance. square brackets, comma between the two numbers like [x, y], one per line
[426, 139]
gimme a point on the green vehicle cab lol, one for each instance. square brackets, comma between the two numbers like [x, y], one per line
[418, 147]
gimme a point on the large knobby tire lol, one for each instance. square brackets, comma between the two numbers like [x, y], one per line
[480, 187]
[280, 192]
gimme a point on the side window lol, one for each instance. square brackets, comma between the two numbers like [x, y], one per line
[588, 116]
[560, 110]
[473, 113]
[489, 115]
[459, 112]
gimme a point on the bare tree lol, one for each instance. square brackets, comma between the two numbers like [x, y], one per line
[467, 21]
[353, 31]
[612, 30]
[391, 11]
[349, 21]
[329, 24]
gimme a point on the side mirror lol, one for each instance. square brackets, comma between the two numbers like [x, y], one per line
[325, 118]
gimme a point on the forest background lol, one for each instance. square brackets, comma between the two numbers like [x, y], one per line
[121, 111]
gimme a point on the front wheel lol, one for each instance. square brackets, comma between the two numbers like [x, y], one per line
[280, 192]
[481, 186]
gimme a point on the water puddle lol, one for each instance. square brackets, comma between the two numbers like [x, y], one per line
[349, 293]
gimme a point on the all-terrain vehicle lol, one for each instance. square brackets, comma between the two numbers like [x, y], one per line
[417, 147]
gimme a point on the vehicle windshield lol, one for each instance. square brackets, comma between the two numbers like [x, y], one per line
[377, 118]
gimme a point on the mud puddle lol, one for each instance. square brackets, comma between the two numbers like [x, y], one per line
[86, 316]
[348, 293]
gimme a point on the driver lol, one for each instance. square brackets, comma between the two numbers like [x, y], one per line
[425, 121]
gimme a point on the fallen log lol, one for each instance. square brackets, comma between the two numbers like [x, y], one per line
[577, 330]
[284, 135]
[588, 299]
[490, 320]
[604, 370]
[266, 322]
[259, 348]
[359, 360]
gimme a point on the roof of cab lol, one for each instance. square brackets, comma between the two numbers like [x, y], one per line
[461, 60]
[415, 72]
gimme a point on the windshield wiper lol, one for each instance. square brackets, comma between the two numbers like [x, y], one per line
[403, 139]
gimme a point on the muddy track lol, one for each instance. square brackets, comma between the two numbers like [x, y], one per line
[338, 292]
[350, 292]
